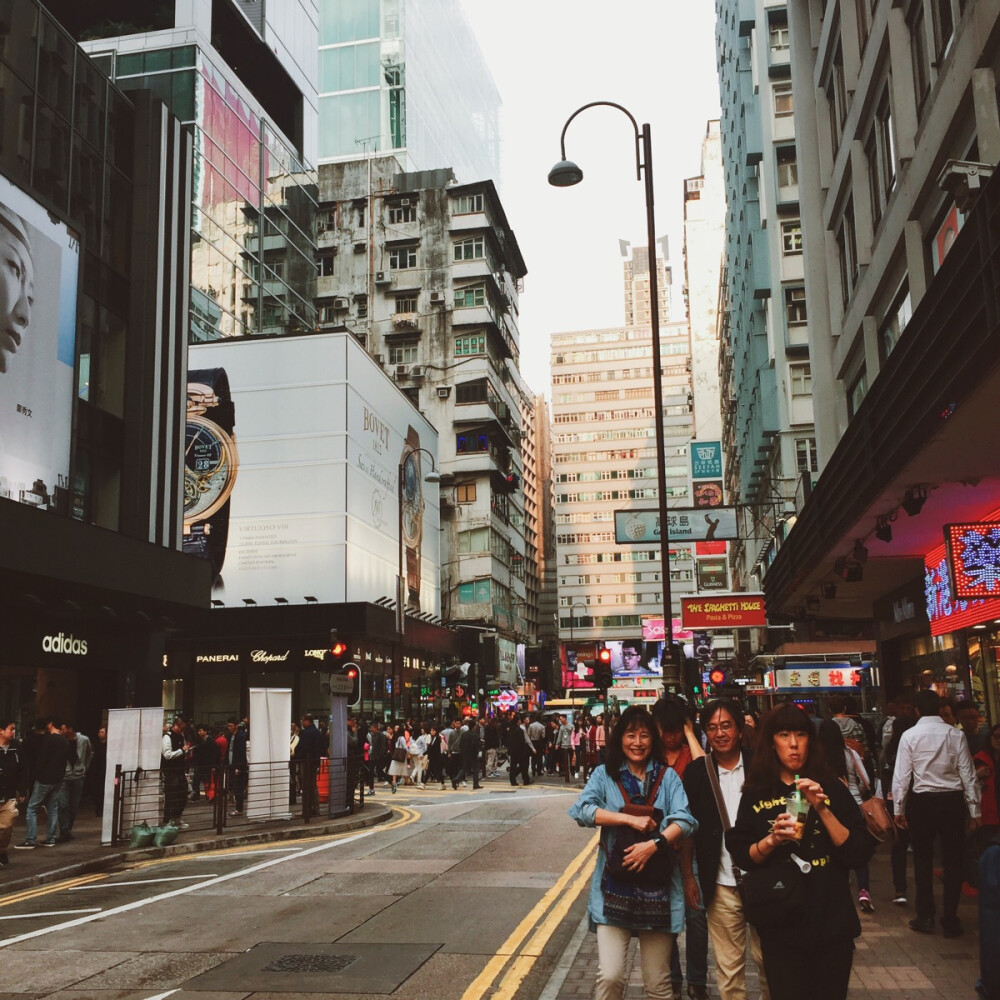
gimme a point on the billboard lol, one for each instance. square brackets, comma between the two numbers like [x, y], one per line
[706, 459]
[38, 296]
[712, 574]
[724, 611]
[947, 613]
[308, 504]
[973, 559]
[685, 524]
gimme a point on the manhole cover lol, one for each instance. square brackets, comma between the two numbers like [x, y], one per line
[311, 963]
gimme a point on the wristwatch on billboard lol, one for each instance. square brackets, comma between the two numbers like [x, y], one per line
[210, 465]
[412, 492]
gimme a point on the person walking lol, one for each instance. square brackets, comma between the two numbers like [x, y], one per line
[564, 747]
[98, 771]
[53, 753]
[812, 947]
[71, 790]
[309, 751]
[237, 764]
[901, 841]
[397, 766]
[13, 784]
[518, 751]
[173, 772]
[713, 886]
[653, 911]
[491, 744]
[470, 751]
[936, 795]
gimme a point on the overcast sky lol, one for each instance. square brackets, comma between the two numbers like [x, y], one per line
[548, 57]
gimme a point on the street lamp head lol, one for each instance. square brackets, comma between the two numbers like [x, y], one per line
[432, 477]
[565, 174]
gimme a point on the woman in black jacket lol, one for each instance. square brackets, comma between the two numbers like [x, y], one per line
[813, 947]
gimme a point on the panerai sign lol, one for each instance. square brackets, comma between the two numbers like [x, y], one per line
[62, 643]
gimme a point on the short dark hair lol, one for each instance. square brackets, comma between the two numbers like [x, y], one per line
[928, 702]
[11, 722]
[837, 703]
[635, 716]
[831, 738]
[764, 774]
[307, 717]
[725, 705]
[669, 714]
[231, 721]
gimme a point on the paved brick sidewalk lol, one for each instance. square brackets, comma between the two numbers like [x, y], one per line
[891, 961]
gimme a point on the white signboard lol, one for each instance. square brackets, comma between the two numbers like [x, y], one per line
[320, 432]
[135, 740]
[38, 293]
[269, 753]
[685, 524]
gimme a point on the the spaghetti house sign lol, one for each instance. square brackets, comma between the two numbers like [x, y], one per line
[724, 611]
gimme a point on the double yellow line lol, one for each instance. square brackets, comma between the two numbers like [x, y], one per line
[519, 960]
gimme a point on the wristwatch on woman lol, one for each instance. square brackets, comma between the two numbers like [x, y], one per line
[210, 465]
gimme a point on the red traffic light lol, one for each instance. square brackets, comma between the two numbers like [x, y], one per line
[338, 648]
[351, 672]
[604, 656]
[717, 676]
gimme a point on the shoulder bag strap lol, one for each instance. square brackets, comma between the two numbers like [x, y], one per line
[720, 802]
[652, 792]
[866, 787]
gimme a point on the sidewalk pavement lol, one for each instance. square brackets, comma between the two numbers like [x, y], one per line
[891, 962]
[84, 853]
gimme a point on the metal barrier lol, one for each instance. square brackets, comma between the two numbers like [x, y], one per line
[221, 798]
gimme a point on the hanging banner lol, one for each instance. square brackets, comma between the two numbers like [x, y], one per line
[685, 524]
[706, 459]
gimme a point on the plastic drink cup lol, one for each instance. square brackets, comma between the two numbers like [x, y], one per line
[798, 808]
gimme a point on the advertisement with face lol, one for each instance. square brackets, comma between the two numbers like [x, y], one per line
[634, 658]
[313, 504]
[39, 265]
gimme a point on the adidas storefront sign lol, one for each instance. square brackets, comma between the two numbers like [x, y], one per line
[62, 643]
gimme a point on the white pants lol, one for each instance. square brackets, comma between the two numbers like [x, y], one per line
[419, 767]
[654, 958]
[728, 931]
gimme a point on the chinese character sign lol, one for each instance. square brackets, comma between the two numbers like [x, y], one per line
[706, 459]
[974, 559]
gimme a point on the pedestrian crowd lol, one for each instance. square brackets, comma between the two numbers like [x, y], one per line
[747, 831]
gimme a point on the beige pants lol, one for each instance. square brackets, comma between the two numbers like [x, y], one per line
[728, 931]
[8, 817]
[654, 958]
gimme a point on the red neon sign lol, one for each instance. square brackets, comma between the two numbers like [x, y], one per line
[973, 559]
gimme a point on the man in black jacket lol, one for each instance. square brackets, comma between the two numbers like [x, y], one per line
[311, 747]
[54, 753]
[13, 782]
[714, 887]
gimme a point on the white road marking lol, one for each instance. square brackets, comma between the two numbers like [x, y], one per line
[141, 881]
[163, 996]
[48, 913]
[139, 903]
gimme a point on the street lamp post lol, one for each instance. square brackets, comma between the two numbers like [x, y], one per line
[572, 642]
[406, 465]
[565, 174]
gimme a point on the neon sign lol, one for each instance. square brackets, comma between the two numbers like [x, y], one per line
[973, 559]
[945, 613]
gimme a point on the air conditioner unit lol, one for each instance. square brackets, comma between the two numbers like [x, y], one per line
[383, 278]
[359, 248]
[417, 371]
[402, 371]
[341, 303]
[437, 298]
[503, 411]
[444, 391]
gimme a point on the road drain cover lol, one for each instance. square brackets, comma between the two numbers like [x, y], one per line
[311, 963]
[300, 967]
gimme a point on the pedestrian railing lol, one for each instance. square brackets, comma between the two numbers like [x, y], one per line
[221, 798]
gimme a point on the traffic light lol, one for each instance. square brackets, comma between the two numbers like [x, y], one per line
[602, 670]
[717, 676]
[353, 672]
[337, 650]
[513, 481]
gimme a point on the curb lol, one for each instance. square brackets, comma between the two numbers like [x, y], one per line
[381, 814]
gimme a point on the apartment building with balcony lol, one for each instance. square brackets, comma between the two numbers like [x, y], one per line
[765, 368]
[426, 274]
[603, 460]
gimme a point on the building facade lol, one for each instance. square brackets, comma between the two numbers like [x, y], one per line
[764, 325]
[898, 137]
[603, 460]
[95, 191]
[426, 274]
[406, 77]
[636, 278]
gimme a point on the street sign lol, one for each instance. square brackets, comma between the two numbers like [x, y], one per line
[340, 685]
[686, 524]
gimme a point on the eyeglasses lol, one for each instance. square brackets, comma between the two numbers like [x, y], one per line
[724, 727]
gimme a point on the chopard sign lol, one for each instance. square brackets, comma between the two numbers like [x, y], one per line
[218, 658]
[263, 656]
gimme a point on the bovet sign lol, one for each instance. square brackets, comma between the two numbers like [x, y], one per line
[62, 643]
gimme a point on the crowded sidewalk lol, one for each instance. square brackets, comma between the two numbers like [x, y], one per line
[891, 962]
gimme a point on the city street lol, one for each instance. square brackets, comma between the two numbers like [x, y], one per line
[441, 898]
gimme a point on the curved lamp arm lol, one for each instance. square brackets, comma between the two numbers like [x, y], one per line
[625, 111]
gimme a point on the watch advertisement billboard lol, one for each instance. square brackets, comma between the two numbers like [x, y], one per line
[38, 297]
[311, 507]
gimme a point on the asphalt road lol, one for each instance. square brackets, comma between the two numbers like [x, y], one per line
[462, 895]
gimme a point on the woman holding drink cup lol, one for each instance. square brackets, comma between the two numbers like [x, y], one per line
[793, 806]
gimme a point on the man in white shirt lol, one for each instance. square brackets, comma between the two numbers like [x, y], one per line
[714, 885]
[943, 802]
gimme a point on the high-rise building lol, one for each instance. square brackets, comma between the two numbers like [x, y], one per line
[242, 76]
[426, 274]
[765, 366]
[636, 275]
[898, 143]
[406, 77]
[604, 459]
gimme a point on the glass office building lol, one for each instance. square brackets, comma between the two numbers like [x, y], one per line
[406, 76]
